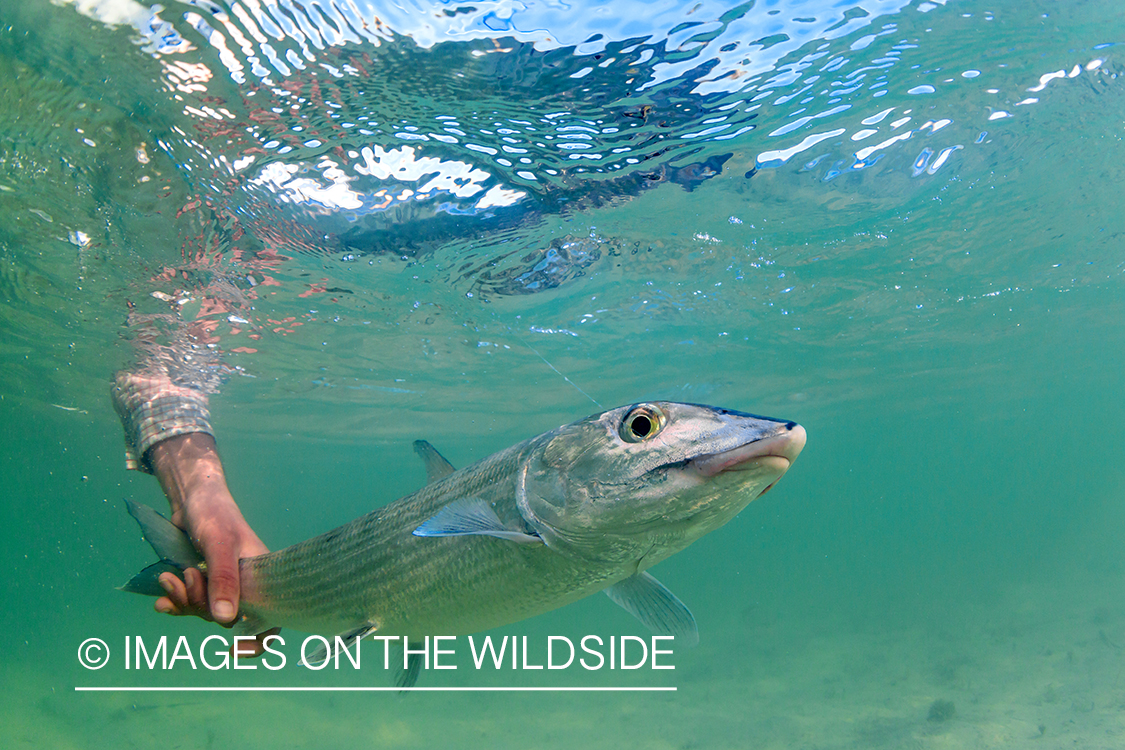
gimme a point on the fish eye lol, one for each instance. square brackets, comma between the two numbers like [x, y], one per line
[642, 423]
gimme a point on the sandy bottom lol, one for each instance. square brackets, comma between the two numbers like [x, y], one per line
[1037, 667]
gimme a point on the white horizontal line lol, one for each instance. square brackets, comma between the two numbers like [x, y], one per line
[185, 689]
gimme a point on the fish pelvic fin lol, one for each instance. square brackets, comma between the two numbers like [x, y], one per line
[169, 542]
[437, 467]
[656, 607]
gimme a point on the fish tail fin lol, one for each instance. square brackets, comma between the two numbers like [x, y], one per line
[171, 544]
[176, 552]
[147, 582]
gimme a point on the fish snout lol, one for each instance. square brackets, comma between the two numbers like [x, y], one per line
[774, 453]
[791, 442]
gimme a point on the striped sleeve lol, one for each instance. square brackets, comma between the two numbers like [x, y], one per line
[153, 409]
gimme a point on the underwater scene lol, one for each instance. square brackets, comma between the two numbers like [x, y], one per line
[350, 225]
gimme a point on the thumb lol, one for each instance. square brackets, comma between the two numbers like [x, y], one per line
[222, 578]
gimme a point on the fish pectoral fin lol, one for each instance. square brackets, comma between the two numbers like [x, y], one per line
[344, 640]
[436, 465]
[472, 516]
[656, 607]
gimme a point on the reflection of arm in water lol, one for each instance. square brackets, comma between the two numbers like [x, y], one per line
[168, 434]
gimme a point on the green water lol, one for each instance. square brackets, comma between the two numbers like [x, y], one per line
[953, 341]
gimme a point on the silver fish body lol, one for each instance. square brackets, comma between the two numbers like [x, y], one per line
[583, 508]
[374, 571]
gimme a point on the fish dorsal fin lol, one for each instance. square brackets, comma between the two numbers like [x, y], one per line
[168, 541]
[471, 516]
[436, 465]
[320, 653]
[656, 607]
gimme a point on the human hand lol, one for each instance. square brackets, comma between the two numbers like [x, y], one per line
[191, 474]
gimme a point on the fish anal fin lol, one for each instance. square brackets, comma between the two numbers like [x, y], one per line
[406, 678]
[656, 607]
[471, 516]
[436, 465]
[349, 639]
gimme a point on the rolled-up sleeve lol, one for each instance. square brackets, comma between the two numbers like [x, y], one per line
[153, 409]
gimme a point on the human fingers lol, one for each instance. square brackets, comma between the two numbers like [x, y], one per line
[184, 597]
[176, 598]
[197, 587]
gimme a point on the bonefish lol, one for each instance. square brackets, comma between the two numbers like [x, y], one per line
[587, 507]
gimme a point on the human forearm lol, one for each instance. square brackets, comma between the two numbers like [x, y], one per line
[189, 470]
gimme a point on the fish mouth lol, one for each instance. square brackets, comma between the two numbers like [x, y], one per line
[774, 453]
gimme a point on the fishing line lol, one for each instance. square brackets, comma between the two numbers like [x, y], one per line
[564, 377]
